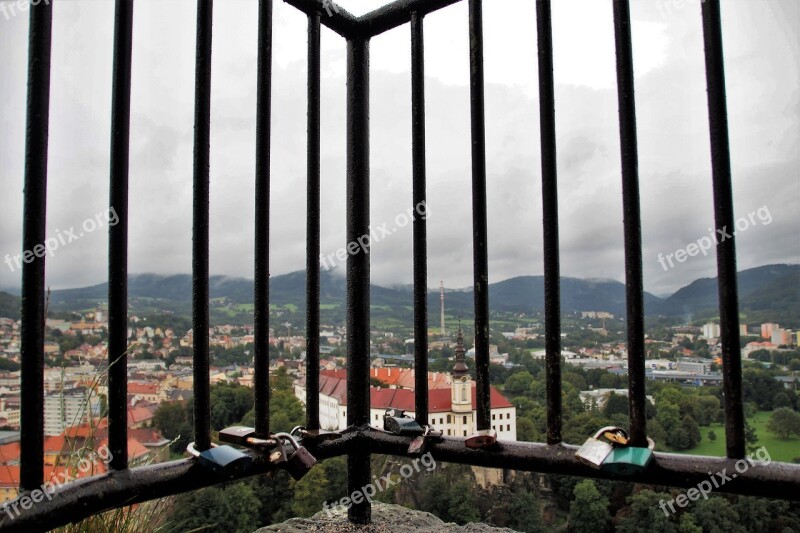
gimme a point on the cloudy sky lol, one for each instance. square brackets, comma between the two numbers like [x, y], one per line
[761, 47]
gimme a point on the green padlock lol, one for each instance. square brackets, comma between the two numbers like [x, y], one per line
[627, 460]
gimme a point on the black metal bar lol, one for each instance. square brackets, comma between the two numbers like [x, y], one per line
[202, 140]
[479, 225]
[634, 286]
[118, 238]
[396, 14]
[420, 229]
[33, 236]
[87, 496]
[331, 15]
[358, 319]
[261, 276]
[313, 225]
[724, 220]
[552, 275]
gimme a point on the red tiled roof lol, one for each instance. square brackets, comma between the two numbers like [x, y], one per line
[439, 400]
[142, 388]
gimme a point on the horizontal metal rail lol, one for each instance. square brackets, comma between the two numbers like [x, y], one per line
[126, 487]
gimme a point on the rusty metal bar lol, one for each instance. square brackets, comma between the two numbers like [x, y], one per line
[118, 237]
[33, 236]
[84, 497]
[331, 15]
[420, 226]
[724, 220]
[261, 276]
[202, 140]
[479, 223]
[313, 225]
[634, 285]
[358, 317]
[396, 14]
[552, 276]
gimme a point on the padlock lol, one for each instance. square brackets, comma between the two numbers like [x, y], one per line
[484, 438]
[300, 461]
[396, 421]
[222, 460]
[245, 436]
[418, 443]
[594, 451]
[315, 435]
[627, 460]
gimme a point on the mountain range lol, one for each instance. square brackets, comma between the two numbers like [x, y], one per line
[767, 293]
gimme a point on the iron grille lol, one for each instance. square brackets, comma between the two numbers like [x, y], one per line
[124, 486]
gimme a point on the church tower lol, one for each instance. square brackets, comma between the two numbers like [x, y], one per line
[462, 384]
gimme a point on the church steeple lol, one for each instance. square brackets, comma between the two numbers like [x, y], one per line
[460, 368]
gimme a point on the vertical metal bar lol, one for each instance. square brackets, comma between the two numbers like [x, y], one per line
[33, 234]
[479, 225]
[552, 280]
[634, 287]
[313, 225]
[358, 319]
[118, 238]
[420, 225]
[202, 140]
[261, 275]
[724, 220]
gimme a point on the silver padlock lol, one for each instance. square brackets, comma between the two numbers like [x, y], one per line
[420, 442]
[300, 461]
[594, 451]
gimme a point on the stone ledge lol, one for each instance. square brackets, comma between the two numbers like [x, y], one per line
[386, 518]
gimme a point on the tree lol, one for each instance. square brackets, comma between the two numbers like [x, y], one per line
[525, 513]
[310, 492]
[616, 404]
[232, 507]
[711, 435]
[175, 422]
[783, 422]
[645, 514]
[717, 515]
[519, 383]
[462, 507]
[588, 511]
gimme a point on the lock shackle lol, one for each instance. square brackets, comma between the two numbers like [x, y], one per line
[610, 429]
[297, 430]
[290, 438]
[193, 451]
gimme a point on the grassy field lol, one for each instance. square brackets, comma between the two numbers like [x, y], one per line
[779, 450]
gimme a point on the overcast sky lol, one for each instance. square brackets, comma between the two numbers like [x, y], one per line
[761, 47]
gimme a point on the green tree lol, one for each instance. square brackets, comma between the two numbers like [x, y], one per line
[783, 422]
[462, 507]
[519, 383]
[310, 492]
[717, 515]
[175, 422]
[525, 513]
[711, 435]
[616, 404]
[588, 511]
[232, 507]
[229, 404]
[644, 513]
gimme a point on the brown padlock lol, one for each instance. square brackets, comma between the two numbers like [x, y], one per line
[298, 462]
[484, 438]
